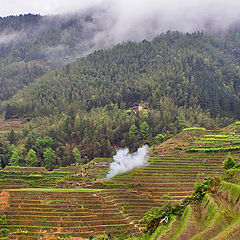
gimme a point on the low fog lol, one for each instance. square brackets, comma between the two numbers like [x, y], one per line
[134, 19]
[116, 21]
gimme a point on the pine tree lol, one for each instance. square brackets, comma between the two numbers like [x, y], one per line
[229, 162]
[12, 137]
[14, 160]
[32, 159]
[145, 130]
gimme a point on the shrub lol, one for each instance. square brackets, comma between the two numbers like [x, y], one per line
[159, 138]
[201, 189]
[229, 162]
[34, 176]
[153, 217]
[3, 225]
[103, 237]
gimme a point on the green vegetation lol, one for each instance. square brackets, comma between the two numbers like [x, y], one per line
[63, 122]
[32, 159]
[157, 216]
[164, 184]
[163, 215]
[49, 158]
[3, 225]
[195, 128]
[211, 211]
[87, 104]
[229, 162]
[221, 141]
[184, 220]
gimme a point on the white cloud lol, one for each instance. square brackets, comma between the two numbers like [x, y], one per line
[136, 20]
[44, 7]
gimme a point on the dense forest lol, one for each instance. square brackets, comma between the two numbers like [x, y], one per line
[31, 45]
[191, 69]
[82, 109]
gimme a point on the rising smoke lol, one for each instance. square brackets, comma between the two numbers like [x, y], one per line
[124, 161]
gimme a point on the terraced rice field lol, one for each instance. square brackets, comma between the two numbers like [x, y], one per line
[12, 124]
[216, 217]
[34, 213]
[223, 141]
[166, 178]
[110, 206]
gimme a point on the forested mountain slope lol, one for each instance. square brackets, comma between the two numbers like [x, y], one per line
[31, 45]
[191, 69]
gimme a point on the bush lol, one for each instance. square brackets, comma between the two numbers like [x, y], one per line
[201, 189]
[102, 237]
[3, 225]
[159, 138]
[153, 217]
[34, 176]
[229, 162]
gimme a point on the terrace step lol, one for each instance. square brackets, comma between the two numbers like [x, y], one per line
[83, 213]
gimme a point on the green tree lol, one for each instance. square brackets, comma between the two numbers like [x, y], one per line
[134, 137]
[5, 153]
[50, 158]
[145, 130]
[55, 111]
[229, 162]
[159, 138]
[12, 138]
[42, 144]
[14, 160]
[3, 225]
[133, 130]
[32, 159]
[76, 154]
[21, 152]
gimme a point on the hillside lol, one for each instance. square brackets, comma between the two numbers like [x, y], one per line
[180, 80]
[70, 205]
[215, 217]
[120, 120]
[32, 45]
[191, 69]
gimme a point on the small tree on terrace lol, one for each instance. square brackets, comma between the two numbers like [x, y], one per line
[32, 159]
[50, 158]
[159, 138]
[229, 162]
[76, 154]
[14, 160]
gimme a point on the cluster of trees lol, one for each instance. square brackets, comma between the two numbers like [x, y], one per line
[34, 154]
[64, 138]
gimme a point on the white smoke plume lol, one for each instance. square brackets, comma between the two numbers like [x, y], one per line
[124, 161]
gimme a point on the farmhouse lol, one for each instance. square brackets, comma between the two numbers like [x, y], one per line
[137, 108]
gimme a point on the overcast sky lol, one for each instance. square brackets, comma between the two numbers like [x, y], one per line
[202, 7]
[139, 19]
[43, 7]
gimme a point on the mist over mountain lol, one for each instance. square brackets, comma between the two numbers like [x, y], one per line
[31, 45]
